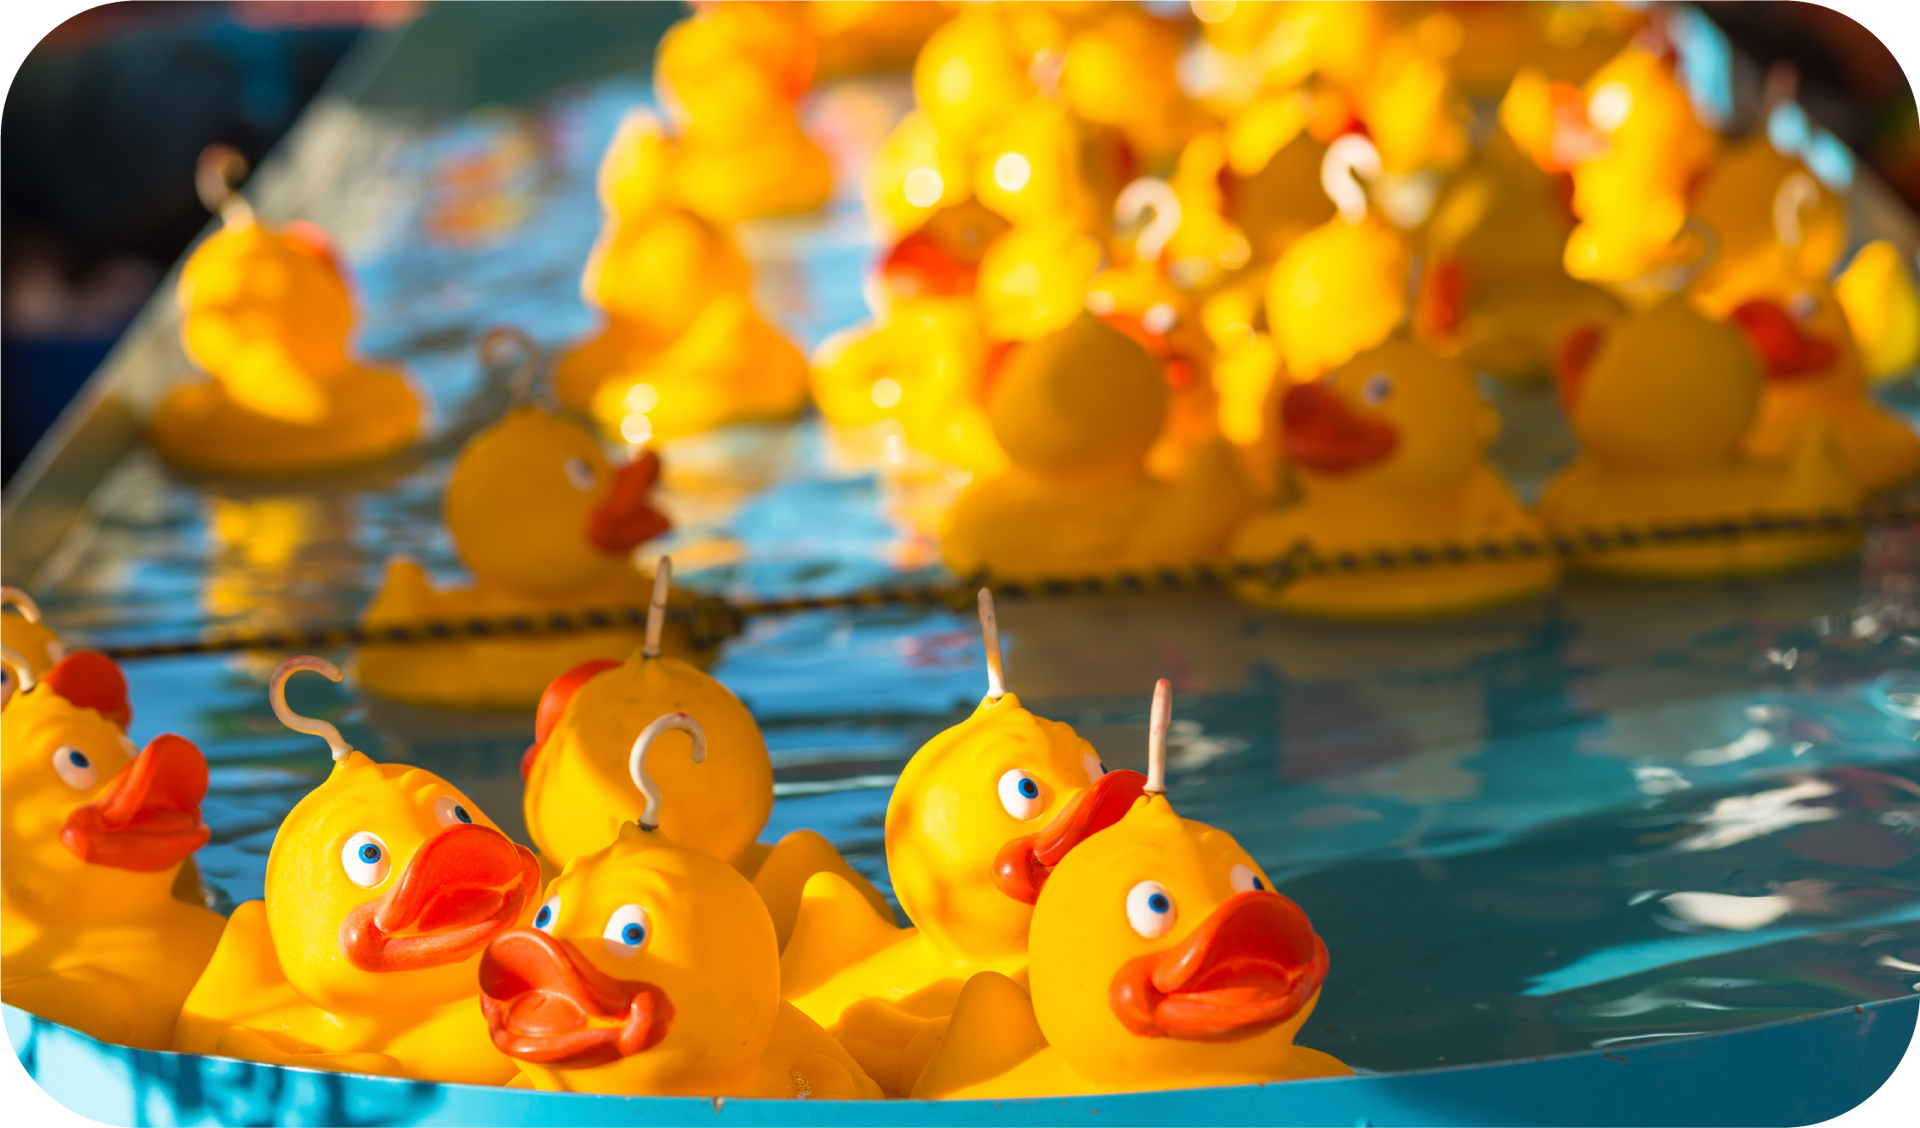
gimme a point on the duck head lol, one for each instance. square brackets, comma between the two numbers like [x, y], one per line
[22, 632]
[93, 826]
[1083, 402]
[248, 281]
[581, 787]
[1666, 390]
[1394, 417]
[1033, 280]
[534, 506]
[969, 75]
[651, 967]
[1159, 951]
[942, 257]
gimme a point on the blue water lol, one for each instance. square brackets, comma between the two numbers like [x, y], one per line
[1501, 824]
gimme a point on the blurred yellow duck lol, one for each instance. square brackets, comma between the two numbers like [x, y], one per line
[1883, 309]
[732, 74]
[978, 818]
[1120, 70]
[1388, 452]
[653, 968]
[1160, 957]
[580, 787]
[266, 314]
[1342, 286]
[1767, 214]
[95, 832]
[1663, 404]
[547, 524]
[1077, 412]
[23, 633]
[384, 886]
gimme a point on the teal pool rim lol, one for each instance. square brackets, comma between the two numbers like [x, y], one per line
[1797, 1071]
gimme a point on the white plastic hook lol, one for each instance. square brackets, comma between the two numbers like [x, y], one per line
[19, 672]
[1157, 725]
[657, 608]
[215, 174]
[1797, 193]
[637, 762]
[20, 601]
[990, 635]
[277, 694]
[1348, 159]
[498, 346]
[1157, 196]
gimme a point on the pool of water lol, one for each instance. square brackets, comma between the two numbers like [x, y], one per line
[1617, 813]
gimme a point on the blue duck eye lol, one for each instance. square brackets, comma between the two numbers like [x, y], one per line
[1020, 795]
[369, 853]
[1030, 789]
[78, 758]
[1158, 902]
[1244, 880]
[448, 810]
[626, 931]
[1150, 909]
[543, 920]
[365, 859]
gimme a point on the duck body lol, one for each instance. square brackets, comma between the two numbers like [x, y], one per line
[266, 313]
[384, 885]
[95, 838]
[1662, 412]
[1129, 922]
[1077, 413]
[546, 523]
[653, 968]
[978, 815]
[1387, 454]
[580, 789]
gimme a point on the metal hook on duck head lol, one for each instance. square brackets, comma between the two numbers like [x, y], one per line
[19, 672]
[637, 762]
[20, 601]
[1797, 193]
[1150, 197]
[277, 695]
[1349, 158]
[216, 174]
[990, 635]
[657, 608]
[1157, 725]
[499, 345]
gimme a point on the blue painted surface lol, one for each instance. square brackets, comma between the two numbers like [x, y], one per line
[1802, 1071]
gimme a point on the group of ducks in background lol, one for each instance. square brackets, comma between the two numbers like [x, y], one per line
[1072, 934]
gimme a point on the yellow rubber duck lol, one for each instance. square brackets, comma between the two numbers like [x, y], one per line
[546, 523]
[266, 313]
[1077, 412]
[1120, 71]
[578, 772]
[1139, 300]
[1767, 213]
[384, 886]
[1883, 309]
[1389, 453]
[968, 76]
[1662, 406]
[978, 817]
[1341, 287]
[653, 968]
[732, 74]
[23, 633]
[95, 833]
[1207, 983]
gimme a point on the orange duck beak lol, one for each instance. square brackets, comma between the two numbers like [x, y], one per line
[1773, 333]
[1320, 432]
[149, 819]
[463, 887]
[1249, 967]
[546, 1004]
[920, 266]
[626, 518]
[92, 680]
[1023, 865]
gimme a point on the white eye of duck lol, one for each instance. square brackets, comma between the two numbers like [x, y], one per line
[1095, 769]
[1803, 306]
[1244, 880]
[580, 472]
[449, 811]
[366, 859]
[1020, 794]
[549, 913]
[1377, 388]
[75, 767]
[627, 931]
[1150, 909]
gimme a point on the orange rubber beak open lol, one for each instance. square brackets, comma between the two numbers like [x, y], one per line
[1786, 351]
[1023, 865]
[625, 519]
[553, 705]
[1320, 432]
[149, 819]
[1251, 965]
[544, 1003]
[92, 680]
[463, 887]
